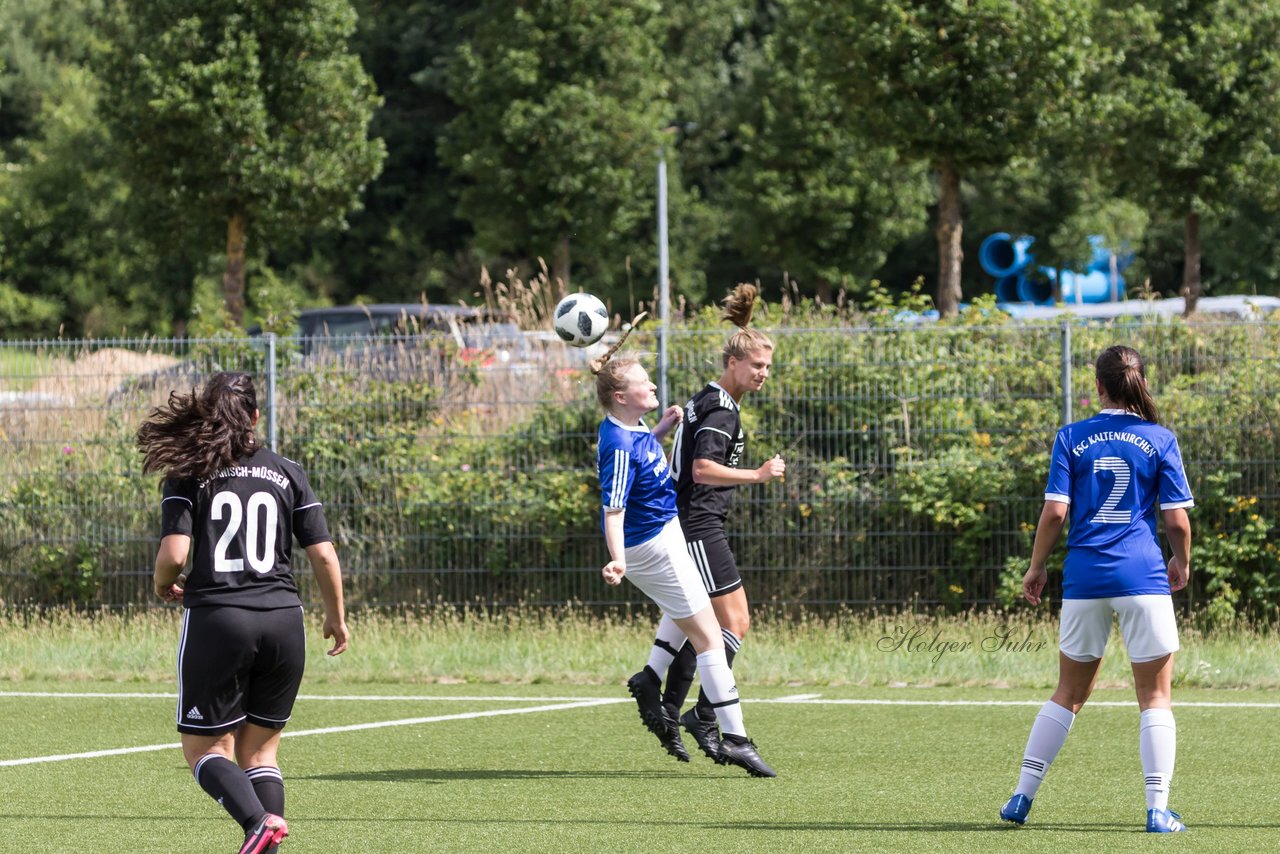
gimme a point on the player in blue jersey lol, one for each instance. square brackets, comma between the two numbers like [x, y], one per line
[646, 544]
[1111, 473]
[234, 508]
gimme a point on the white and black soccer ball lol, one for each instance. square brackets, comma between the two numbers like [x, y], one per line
[581, 319]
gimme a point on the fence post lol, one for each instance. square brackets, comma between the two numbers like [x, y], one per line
[1066, 370]
[664, 282]
[272, 421]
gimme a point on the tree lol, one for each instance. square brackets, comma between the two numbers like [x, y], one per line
[708, 50]
[73, 249]
[958, 85]
[71, 258]
[563, 103]
[40, 38]
[1193, 115]
[407, 240]
[810, 194]
[21, 312]
[243, 116]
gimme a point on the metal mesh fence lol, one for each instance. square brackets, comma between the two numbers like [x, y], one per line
[916, 456]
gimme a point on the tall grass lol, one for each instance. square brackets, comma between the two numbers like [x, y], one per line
[571, 646]
[20, 368]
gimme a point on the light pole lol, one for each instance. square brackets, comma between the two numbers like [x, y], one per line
[664, 263]
[664, 278]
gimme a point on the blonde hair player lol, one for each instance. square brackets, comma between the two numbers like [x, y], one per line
[1111, 473]
[710, 447]
[646, 545]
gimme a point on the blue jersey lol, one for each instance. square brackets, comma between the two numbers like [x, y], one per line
[634, 477]
[1115, 470]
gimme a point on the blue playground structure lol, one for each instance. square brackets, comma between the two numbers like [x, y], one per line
[1010, 261]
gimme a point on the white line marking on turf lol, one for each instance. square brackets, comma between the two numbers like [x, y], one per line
[120, 751]
[563, 703]
[62, 757]
[1091, 703]
[356, 697]
[800, 699]
[87, 694]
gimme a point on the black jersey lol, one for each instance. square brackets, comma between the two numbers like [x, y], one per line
[242, 522]
[711, 429]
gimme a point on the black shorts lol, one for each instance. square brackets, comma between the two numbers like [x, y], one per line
[238, 665]
[716, 564]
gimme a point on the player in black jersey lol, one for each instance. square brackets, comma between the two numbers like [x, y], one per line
[709, 448]
[234, 508]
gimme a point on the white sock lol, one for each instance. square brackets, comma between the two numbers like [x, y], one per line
[1158, 740]
[722, 691]
[666, 644]
[1048, 734]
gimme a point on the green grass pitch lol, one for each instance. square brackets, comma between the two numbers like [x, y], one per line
[929, 775]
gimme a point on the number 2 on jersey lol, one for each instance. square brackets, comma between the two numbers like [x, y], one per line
[260, 535]
[1108, 514]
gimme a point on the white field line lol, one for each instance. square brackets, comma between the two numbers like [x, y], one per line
[417, 697]
[120, 751]
[798, 699]
[564, 703]
[803, 700]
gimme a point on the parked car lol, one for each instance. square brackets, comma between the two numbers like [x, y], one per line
[475, 330]
[338, 327]
[485, 338]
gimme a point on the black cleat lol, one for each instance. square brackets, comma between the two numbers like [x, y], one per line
[672, 741]
[645, 688]
[744, 755]
[704, 732]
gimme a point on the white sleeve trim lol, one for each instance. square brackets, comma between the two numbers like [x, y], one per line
[621, 461]
[175, 498]
[305, 506]
[1058, 497]
[721, 432]
[1178, 505]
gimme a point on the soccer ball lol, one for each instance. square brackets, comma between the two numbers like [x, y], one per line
[581, 319]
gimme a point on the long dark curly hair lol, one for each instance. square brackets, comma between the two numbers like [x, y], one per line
[196, 434]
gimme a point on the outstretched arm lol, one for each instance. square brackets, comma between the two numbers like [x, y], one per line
[712, 473]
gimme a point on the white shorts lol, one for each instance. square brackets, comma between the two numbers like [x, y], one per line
[662, 569]
[1146, 624]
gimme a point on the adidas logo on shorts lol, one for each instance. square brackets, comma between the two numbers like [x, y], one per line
[194, 714]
